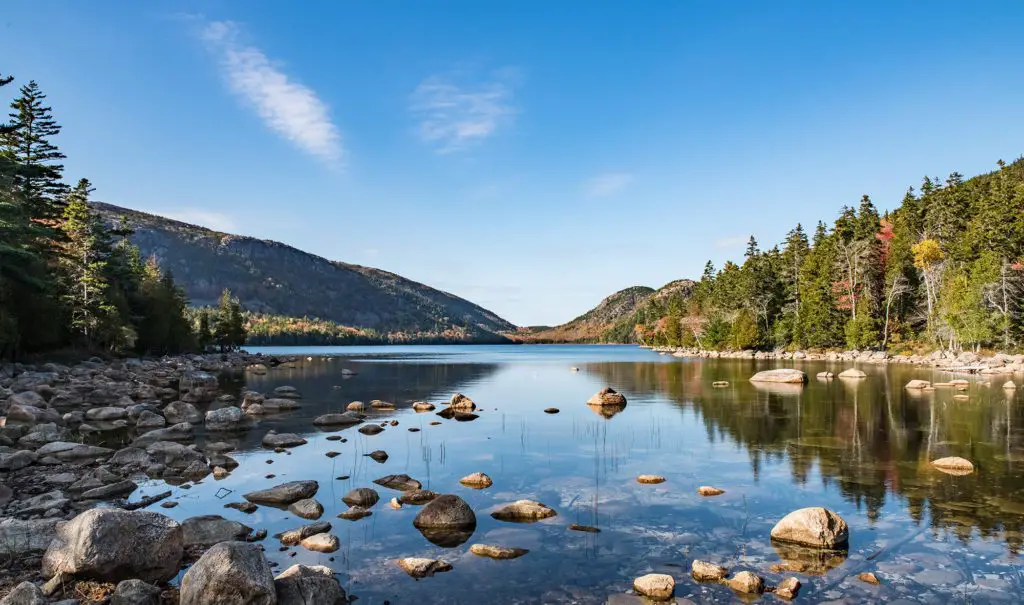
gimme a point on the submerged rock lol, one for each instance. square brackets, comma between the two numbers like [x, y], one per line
[650, 479]
[354, 513]
[524, 511]
[418, 496]
[656, 586]
[853, 373]
[497, 552]
[707, 490]
[585, 528]
[814, 526]
[309, 585]
[294, 536]
[783, 375]
[230, 573]
[477, 481]
[607, 396]
[915, 385]
[746, 582]
[418, 567]
[402, 483]
[702, 571]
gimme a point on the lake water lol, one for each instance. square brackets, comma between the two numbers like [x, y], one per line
[861, 448]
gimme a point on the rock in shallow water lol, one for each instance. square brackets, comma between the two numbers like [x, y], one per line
[446, 512]
[418, 567]
[497, 552]
[785, 375]
[656, 586]
[707, 490]
[308, 585]
[294, 536]
[703, 571]
[307, 508]
[476, 481]
[321, 543]
[361, 496]
[814, 526]
[607, 396]
[788, 588]
[524, 511]
[954, 465]
[746, 582]
[402, 483]
[284, 494]
[650, 479]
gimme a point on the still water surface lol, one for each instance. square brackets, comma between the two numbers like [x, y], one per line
[860, 448]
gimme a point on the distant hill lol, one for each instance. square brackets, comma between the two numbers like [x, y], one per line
[649, 313]
[275, 279]
[592, 325]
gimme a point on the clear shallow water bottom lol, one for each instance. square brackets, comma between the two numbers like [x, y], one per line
[860, 448]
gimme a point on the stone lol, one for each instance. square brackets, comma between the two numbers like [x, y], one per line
[278, 404]
[523, 511]
[206, 530]
[702, 571]
[377, 404]
[788, 588]
[402, 483]
[954, 465]
[720, 384]
[853, 373]
[590, 529]
[113, 545]
[707, 490]
[361, 496]
[869, 577]
[551, 410]
[106, 413]
[114, 490]
[607, 396]
[228, 419]
[477, 481]
[25, 593]
[321, 543]
[462, 403]
[371, 429]
[914, 385]
[230, 573]
[178, 412]
[176, 432]
[419, 567]
[309, 585]
[824, 375]
[418, 496]
[150, 420]
[174, 455]
[655, 586]
[135, 592]
[446, 512]
[294, 536]
[746, 582]
[245, 507]
[356, 406]
[650, 479]
[198, 386]
[354, 513]
[814, 526]
[423, 406]
[275, 439]
[378, 456]
[497, 552]
[395, 504]
[1010, 385]
[336, 420]
[284, 494]
[19, 538]
[783, 375]
[16, 460]
[307, 508]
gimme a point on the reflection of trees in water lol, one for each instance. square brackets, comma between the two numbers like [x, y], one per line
[869, 438]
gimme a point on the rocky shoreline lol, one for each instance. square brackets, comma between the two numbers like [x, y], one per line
[998, 363]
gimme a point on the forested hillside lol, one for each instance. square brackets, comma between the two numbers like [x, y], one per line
[942, 270]
[591, 326]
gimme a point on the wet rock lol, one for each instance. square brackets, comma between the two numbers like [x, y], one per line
[423, 406]
[245, 507]
[707, 490]
[402, 483]
[814, 526]
[135, 592]
[356, 406]
[868, 577]
[114, 490]
[784, 375]
[523, 511]
[25, 593]
[16, 460]
[746, 582]
[230, 573]
[915, 385]
[954, 465]
[377, 404]
[824, 375]
[106, 413]
[477, 481]
[458, 416]
[178, 412]
[321, 543]
[66, 451]
[294, 536]
[206, 530]
[462, 403]
[551, 410]
[336, 420]
[371, 429]
[284, 494]
[149, 420]
[650, 479]
[354, 513]
[287, 391]
[174, 455]
[308, 585]
[177, 432]
[788, 588]
[198, 386]
[585, 528]
[277, 405]
[361, 496]
[395, 504]
[702, 571]
[275, 439]
[19, 538]
[418, 567]
[655, 586]
[607, 396]
[497, 552]
[446, 519]
[112, 544]
[378, 456]
[228, 419]
[418, 496]
[853, 373]
[1009, 385]
[306, 508]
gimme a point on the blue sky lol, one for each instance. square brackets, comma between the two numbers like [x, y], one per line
[530, 156]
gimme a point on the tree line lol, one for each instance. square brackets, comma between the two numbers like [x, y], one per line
[68, 280]
[942, 270]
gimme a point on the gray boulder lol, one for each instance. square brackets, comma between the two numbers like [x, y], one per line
[345, 419]
[275, 439]
[446, 512]
[25, 593]
[814, 527]
[174, 455]
[113, 545]
[228, 419]
[65, 450]
[787, 376]
[106, 413]
[307, 584]
[19, 538]
[230, 573]
[207, 530]
[181, 411]
[16, 460]
[135, 592]
[284, 494]
[198, 386]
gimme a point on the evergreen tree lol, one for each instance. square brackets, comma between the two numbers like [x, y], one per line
[204, 337]
[29, 142]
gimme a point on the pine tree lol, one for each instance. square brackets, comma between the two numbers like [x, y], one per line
[204, 337]
[29, 142]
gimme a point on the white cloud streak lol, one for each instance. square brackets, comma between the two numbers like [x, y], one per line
[607, 184]
[731, 241]
[288, 108]
[455, 117]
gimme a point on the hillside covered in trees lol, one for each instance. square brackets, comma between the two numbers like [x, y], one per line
[942, 270]
[299, 298]
[590, 326]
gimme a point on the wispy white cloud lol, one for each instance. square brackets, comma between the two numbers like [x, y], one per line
[607, 184]
[292, 110]
[217, 221]
[731, 241]
[454, 116]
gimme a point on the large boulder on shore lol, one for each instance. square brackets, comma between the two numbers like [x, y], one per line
[230, 573]
[814, 526]
[307, 584]
[784, 375]
[284, 494]
[112, 545]
[607, 396]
